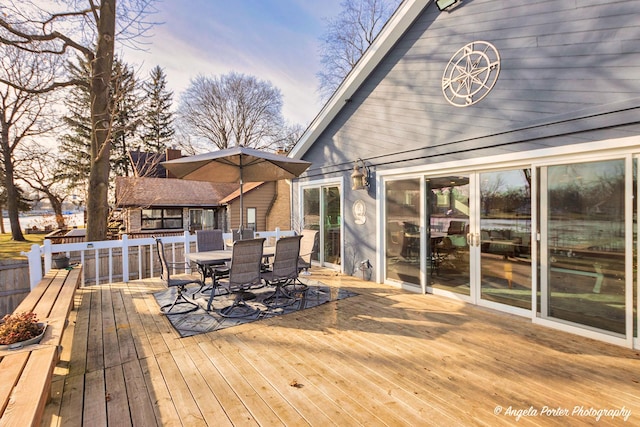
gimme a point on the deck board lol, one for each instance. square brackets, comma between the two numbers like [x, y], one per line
[383, 357]
[116, 398]
[163, 405]
[226, 399]
[140, 406]
[185, 402]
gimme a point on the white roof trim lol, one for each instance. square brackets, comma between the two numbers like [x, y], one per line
[399, 22]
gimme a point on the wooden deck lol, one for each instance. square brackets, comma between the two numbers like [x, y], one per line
[384, 357]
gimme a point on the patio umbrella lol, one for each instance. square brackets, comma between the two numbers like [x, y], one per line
[237, 164]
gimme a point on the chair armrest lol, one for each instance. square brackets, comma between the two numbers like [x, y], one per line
[183, 265]
[302, 263]
[218, 270]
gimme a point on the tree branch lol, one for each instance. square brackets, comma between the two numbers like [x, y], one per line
[50, 88]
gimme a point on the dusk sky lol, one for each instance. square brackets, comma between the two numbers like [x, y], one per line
[274, 40]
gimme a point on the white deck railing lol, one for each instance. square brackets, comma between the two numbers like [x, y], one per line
[119, 259]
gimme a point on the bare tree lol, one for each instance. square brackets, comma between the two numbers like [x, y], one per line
[24, 114]
[184, 141]
[233, 109]
[41, 172]
[292, 134]
[91, 32]
[346, 38]
[23, 202]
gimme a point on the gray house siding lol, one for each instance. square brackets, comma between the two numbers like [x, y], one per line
[569, 74]
[557, 58]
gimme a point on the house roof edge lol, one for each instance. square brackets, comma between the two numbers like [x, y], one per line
[397, 25]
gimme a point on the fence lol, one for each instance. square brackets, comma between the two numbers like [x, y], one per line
[14, 284]
[120, 260]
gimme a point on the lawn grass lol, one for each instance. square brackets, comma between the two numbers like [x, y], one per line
[10, 249]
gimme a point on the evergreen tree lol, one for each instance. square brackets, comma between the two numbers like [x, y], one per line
[76, 143]
[157, 126]
[126, 117]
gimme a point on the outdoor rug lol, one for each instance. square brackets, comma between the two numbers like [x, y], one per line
[200, 321]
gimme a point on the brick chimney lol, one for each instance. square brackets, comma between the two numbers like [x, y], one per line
[172, 154]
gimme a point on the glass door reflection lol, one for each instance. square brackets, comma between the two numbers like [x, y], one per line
[402, 240]
[585, 229]
[332, 222]
[448, 252]
[505, 237]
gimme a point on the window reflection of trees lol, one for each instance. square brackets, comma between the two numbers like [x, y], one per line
[588, 191]
[506, 195]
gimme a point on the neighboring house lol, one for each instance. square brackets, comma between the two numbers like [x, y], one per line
[500, 145]
[152, 202]
[151, 205]
[266, 205]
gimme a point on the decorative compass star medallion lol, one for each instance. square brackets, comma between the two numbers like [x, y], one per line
[471, 74]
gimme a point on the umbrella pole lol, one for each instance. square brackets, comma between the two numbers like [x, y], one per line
[241, 209]
[241, 203]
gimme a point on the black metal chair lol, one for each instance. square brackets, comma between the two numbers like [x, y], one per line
[284, 270]
[175, 282]
[245, 272]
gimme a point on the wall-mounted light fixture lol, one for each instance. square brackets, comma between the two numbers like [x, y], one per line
[446, 4]
[359, 180]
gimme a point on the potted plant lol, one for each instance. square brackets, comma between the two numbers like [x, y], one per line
[59, 260]
[20, 329]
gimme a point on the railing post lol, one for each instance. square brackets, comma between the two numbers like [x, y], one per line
[35, 265]
[46, 251]
[125, 258]
[187, 249]
[277, 233]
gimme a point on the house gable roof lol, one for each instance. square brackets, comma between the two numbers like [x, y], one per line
[246, 187]
[397, 25]
[143, 191]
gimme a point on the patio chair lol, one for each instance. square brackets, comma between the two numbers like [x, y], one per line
[244, 273]
[179, 283]
[246, 234]
[284, 270]
[308, 247]
[210, 240]
[395, 242]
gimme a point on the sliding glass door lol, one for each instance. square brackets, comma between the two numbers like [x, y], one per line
[449, 248]
[583, 255]
[492, 237]
[402, 235]
[322, 211]
[505, 237]
[331, 231]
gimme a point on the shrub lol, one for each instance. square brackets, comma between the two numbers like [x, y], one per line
[19, 327]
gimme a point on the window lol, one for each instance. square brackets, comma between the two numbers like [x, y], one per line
[251, 218]
[202, 219]
[156, 219]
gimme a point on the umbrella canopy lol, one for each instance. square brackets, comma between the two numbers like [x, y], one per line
[237, 164]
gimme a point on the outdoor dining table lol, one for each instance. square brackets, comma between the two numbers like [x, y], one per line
[207, 259]
[222, 255]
